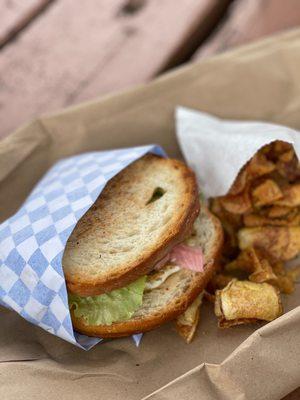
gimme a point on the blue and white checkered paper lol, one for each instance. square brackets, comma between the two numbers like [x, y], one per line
[32, 241]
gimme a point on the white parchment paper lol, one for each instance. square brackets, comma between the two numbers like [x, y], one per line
[217, 149]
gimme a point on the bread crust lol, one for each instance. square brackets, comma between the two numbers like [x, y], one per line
[85, 287]
[170, 311]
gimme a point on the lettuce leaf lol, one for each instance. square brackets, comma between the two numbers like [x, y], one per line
[118, 305]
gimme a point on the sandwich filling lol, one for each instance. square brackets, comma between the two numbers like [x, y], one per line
[120, 304]
[117, 305]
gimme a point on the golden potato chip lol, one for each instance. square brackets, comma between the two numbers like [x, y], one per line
[287, 165]
[287, 156]
[186, 323]
[266, 149]
[216, 207]
[284, 282]
[243, 302]
[278, 211]
[237, 204]
[279, 147]
[255, 264]
[242, 262]
[240, 182]
[266, 193]
[278, 242]
[224, 324]
[187, 332]
[225, 216]
[256, 167]
[261, 219]
[290, 172]
[276, 148]
[259, 165]
[260, 267]
[291, 196]
[251, 220]
[263, 272]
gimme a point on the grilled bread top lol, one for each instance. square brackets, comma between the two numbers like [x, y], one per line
[142, 213]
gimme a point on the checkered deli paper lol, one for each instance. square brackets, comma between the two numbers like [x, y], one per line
[32, 241]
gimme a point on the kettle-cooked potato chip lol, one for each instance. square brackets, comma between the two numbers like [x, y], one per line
[240, 183]
[251, 220]
[284, 282]
[186, 323]
[255, 264]
[291, 196]
[237, 204]
[243, 302]
[259, 165]
[261, 219]
[277, 148]
[280, 243]
[265, 193]
[287, 164]
[262, 270]
[287, 156]
[278, 211]
[242, 262]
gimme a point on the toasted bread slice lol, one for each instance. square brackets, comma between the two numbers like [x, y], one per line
[142, 213]
[174, 296]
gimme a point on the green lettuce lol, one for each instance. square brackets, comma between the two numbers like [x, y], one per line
[118, 305]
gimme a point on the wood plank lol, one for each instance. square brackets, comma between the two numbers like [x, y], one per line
[72, 53]
[16, 14]
[249, 20]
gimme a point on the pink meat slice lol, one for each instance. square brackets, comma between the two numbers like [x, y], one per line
[188, 257]
[185, 257]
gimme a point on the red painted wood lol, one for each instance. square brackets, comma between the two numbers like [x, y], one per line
[73, 52]
[249, 20]
[15, 14]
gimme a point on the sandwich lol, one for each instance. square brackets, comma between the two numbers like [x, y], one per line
[143, 253]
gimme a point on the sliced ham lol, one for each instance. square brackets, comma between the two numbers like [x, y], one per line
[187, 257]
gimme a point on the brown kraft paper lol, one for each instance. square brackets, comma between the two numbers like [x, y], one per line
[261, 82]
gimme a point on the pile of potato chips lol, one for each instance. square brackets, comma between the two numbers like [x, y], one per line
[261, 221]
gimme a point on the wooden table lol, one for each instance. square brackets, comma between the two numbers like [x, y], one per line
[55, 53]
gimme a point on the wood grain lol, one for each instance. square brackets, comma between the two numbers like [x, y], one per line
[16, 14]
[249, 20]
[73, 53]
